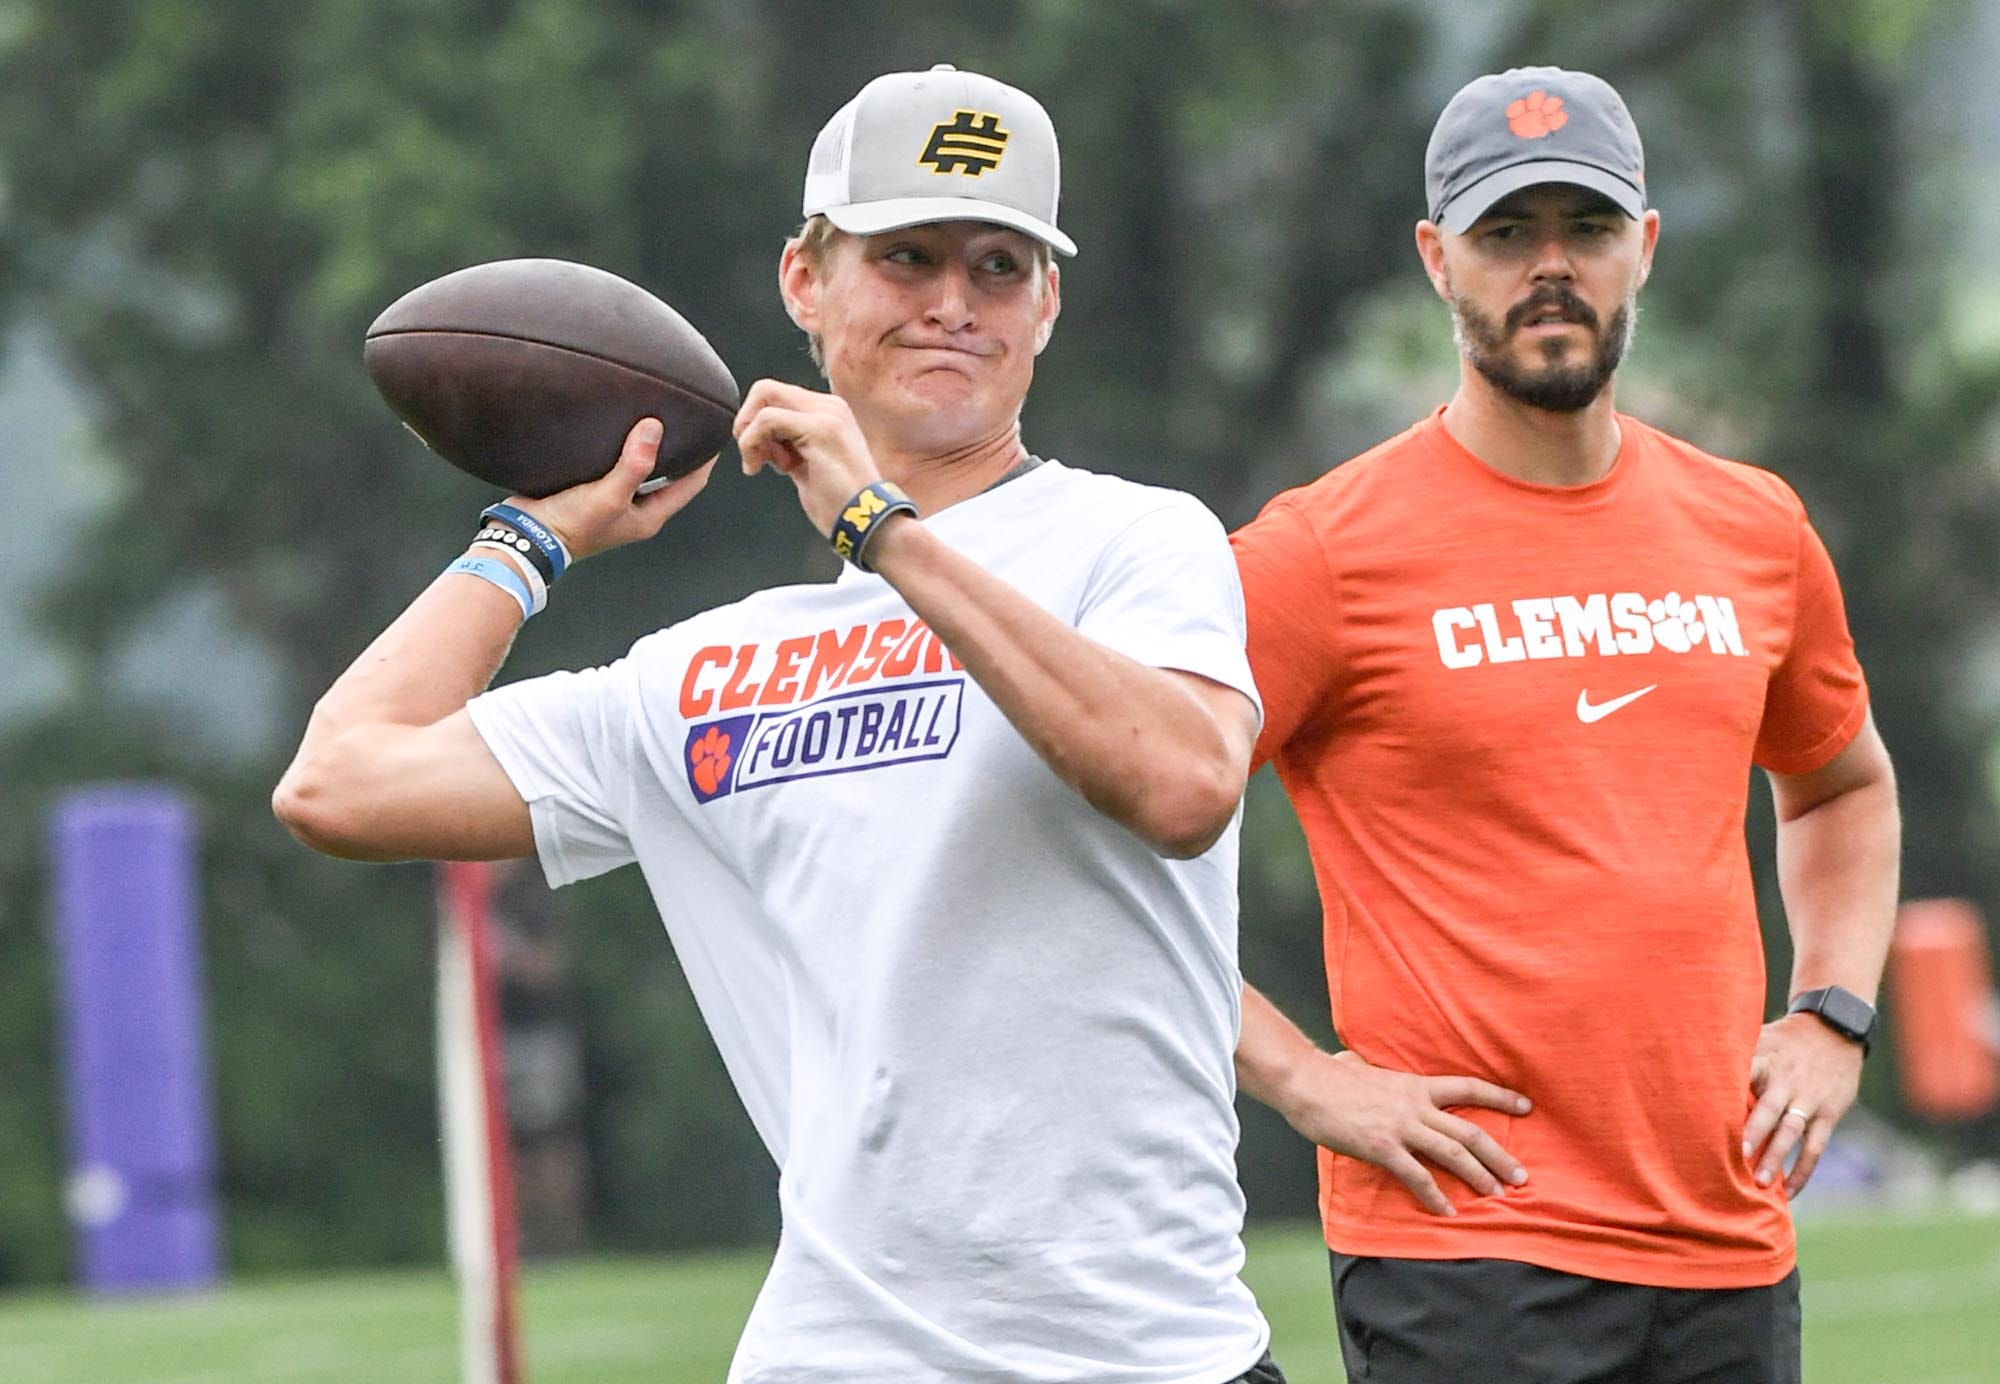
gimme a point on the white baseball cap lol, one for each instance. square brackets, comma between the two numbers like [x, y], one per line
[943, 145]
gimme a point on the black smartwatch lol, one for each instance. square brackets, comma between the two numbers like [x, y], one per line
[1841, 1010]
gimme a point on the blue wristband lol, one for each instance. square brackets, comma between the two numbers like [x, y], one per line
[859, 519]
[535, 531]
[502, 574]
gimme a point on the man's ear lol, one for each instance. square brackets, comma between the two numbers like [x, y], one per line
[1051, 308]
[799, 285]
[1430, 249]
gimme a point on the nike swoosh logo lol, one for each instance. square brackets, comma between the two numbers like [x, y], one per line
[1587, 713]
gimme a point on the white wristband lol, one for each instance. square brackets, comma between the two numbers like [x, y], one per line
[538, 589]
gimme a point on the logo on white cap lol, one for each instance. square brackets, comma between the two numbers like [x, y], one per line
[971, 142]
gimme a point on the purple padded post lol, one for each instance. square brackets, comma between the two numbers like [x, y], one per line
[141, 1141]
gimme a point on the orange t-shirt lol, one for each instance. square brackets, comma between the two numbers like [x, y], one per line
[1516, 723]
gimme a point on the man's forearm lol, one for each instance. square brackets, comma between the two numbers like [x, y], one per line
[1838, 868]
[1270, 1051]
[1839, 837]
[1398, 1121]
[385, 769]
[1135, 741]
[445, 648]
[438, 655]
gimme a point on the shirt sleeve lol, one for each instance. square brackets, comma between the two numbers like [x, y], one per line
[566, 742]
[1165, 592]
[1293, 621]
[1817, 699]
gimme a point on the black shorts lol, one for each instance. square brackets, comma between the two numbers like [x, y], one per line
[1265, 1371]
[1448, 1321]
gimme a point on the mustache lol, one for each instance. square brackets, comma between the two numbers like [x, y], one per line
[1553, 298]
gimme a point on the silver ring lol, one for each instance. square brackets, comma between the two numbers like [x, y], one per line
[1805, 1116]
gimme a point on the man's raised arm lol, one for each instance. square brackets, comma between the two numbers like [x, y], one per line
[391, 767]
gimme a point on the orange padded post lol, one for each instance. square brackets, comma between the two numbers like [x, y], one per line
[1946, 1015]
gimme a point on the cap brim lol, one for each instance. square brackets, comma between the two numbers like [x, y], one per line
[873, 218]
[1461, 211]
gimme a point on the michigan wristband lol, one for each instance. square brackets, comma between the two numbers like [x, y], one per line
[863, 515]
[502, 574]
[535, 531]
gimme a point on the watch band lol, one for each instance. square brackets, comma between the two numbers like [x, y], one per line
[1841, 1010]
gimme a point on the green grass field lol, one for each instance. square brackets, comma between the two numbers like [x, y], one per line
[1915, 1300]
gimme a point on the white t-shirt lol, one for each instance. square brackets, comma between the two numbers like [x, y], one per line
[987, 1034]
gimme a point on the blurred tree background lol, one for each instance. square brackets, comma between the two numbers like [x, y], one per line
[204, 202]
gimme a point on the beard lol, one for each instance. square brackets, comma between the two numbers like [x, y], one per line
[1551, 386]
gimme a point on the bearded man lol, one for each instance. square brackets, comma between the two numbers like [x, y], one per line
[1516, 664]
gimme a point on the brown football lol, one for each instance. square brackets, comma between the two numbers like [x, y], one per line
[528, 373]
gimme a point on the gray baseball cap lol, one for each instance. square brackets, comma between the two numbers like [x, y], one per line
[942, 145]
[1525, 127]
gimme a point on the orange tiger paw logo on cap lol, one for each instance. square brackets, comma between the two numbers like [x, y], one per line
[1537, 114]
[708, 757]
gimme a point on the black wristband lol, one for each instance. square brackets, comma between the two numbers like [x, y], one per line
[1841, 1010]
[555, 556]
[859, 519]
[514, 541]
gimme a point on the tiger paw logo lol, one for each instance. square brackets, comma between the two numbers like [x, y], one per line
[708, 760]
[1676, 623]
[1537, 115]
[711, 756]
[971, 142]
